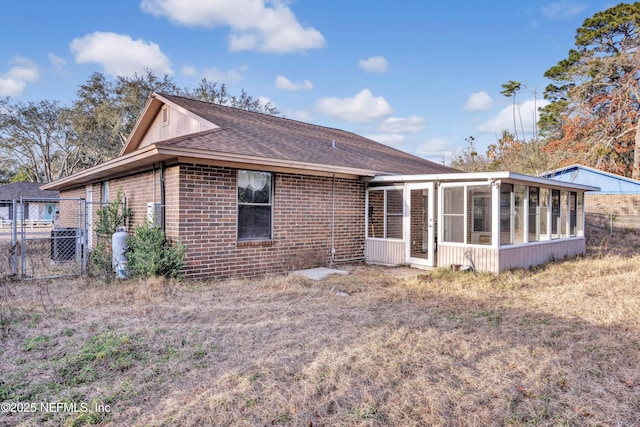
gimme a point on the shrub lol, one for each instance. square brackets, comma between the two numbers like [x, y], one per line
[111, 216]
[151, 254]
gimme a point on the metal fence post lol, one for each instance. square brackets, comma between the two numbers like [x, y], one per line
[14, 239]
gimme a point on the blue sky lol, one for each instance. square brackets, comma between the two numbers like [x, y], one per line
[418, 75]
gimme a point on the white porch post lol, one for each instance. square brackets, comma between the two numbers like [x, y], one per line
[495, 217]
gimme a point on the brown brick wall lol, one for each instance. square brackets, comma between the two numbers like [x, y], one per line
[301, 223]
[70, 213]
[201, 212]
[138, 190]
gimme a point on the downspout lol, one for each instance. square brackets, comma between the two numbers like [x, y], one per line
[162, 198]
[333, 259]
[333, 218]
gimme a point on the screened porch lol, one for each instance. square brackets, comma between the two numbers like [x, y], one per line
[495, 221]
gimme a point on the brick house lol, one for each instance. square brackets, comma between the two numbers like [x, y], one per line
[252, 194]
[247, 193]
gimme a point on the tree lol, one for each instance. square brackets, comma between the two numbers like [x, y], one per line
[37, 138]
[210, 92]
[505, 153]
[106, 111]
[510, 89]
[469, 160]
[594, 113]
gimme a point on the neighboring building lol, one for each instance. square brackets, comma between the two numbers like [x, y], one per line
[38, 205]
[251, 194]
[615, 205]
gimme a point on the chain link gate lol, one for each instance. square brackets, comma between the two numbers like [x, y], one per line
[52, 244]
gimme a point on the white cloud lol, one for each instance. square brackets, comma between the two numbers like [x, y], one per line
[392, 139]
[563, 8]
[253, 24]
[284, 83]
[413, 124]
[478, 101]
[525, 112]
[119, 54]
[436, 150]
[22, 71]
[301, 115]
[364, 107]
[57, 62]
[188, 70]
[375, 64]
[219, 76]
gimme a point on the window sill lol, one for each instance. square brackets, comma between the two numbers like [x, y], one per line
[255, 243]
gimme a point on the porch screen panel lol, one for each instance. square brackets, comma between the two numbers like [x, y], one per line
[375, 228]
[453, 215]
[518, 214]
[544, 214]
[564, 212]
[506, 235]
[479, 215]
[555, 214]
[394, 214]
[534, 214]
[385, 211]
[580, 214]
[573, 217]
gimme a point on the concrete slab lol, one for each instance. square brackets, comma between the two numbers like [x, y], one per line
[319, 273]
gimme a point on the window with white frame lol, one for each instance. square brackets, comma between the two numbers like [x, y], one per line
[556, 226]
[453, 226]
[545, 203]
[254, 205]
[506, 229]
[534, 214]
[518, 213]
[104, 192]
[479, 210]
[384, 213]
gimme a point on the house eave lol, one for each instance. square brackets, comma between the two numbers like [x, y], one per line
[146, 156]
[152, 154]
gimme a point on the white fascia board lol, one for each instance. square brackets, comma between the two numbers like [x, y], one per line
[478, 176]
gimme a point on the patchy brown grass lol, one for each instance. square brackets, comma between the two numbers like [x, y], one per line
[559, 345]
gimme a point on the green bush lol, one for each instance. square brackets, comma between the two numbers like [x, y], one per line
[111, 216]
[100, 260]
[151, 254]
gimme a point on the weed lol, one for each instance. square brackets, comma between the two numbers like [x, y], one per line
[37, 343]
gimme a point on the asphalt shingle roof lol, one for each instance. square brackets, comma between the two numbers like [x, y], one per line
[29, 190]
[272, 137]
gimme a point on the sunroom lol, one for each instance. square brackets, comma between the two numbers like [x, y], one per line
[493, 221]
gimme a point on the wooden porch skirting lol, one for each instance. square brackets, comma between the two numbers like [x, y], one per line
[492, 260]
[509, 257]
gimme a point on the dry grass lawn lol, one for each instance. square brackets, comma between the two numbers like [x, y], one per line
[559, 345]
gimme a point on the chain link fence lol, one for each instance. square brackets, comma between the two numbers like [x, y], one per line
[613, 219]
[42, 238]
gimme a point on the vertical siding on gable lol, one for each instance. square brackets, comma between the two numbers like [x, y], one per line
[179, 124]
